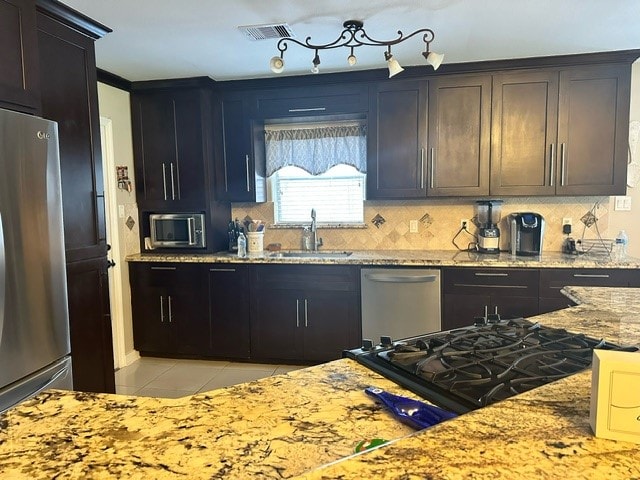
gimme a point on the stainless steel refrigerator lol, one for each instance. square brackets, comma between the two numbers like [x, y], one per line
[34, 319]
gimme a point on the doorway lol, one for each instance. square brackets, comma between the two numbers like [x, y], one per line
[113, 239]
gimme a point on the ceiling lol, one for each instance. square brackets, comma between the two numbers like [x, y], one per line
[158, 39]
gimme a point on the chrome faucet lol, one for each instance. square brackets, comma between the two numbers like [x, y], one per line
[316, 242]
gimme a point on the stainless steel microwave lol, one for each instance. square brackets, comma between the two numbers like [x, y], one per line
[177, 230]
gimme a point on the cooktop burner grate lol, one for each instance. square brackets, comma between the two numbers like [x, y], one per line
[472, 367]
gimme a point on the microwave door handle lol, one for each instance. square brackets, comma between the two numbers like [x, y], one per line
[192, 230]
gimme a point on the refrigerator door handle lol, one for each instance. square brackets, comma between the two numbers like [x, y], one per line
[3, 275]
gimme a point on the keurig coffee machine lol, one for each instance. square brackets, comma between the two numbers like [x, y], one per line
[488, 215]
[527, 232]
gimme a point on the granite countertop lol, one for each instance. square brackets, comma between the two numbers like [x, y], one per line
[439, 258]
[305, 424]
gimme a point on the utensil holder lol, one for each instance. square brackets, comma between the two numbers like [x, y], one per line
[255, 242]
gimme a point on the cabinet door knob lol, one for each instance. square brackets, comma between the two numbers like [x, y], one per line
[552, 174]
[246, 158]
[164, 180]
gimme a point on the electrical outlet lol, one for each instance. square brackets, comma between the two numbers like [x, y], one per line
[413, 226]
[567, 221]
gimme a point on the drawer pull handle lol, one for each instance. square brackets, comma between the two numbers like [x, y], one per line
[161, 309]
[297, 313]
[481, 274]
[315, 109]
[400, 278]
[222, 269]
[163, 268]
[475, 285]
[590, 275]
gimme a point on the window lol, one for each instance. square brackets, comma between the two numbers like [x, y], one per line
[321, 166]
[337, 195]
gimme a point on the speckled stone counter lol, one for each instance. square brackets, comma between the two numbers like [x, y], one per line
[543, 433]
[306, 424]
[277, 427]
[441, 258]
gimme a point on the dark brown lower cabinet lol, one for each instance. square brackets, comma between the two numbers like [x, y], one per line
[552, 280]
[90, 326]
[169, 306]
[471, 292]
[303, 312]
[229, 310]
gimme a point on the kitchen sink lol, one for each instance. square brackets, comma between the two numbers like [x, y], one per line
[310, 254]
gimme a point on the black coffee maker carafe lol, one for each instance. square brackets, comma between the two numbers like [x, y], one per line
[527, 232]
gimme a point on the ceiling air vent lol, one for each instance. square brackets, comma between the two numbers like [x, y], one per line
[266, 32]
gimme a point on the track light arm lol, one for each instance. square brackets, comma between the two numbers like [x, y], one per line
[353, 36]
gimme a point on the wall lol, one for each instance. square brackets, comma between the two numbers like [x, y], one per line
[114, 104]
[629, 220]
[439, 220]
[438, 223]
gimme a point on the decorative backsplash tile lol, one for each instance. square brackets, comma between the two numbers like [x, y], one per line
[378, 220]
[438, 222]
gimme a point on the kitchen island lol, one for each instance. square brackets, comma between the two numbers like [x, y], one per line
[307, 423]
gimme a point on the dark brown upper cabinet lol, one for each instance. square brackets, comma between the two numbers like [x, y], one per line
[560, 132]
[171, 148]
[459, 135]
[18, 56]
[312, 101]
[593, 130]
[239, 150]
[396, 141]
[523, 133]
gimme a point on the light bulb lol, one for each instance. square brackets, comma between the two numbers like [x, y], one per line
[352, 59]
[276, 64]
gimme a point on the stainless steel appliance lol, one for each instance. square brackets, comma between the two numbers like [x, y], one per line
[34, 321]
[400, 302]
[468, 368]
[177, 230]
[488, 216]
[526, 233]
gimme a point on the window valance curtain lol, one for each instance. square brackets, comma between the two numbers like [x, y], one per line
[316, 149]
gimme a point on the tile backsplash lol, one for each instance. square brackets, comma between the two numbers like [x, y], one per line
[438, 222]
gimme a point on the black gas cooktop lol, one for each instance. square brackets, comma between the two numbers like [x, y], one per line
[469, 368]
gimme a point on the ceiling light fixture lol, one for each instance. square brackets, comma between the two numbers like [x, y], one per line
[354, 36]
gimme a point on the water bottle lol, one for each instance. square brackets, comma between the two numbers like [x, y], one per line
[242, 245]
[621, 246]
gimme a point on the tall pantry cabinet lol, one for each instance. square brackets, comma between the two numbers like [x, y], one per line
[68, 89]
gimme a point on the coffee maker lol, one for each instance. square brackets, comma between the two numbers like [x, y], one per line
[527, 232]
[488, 216]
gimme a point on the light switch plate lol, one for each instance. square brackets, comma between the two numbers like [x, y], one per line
[622, 203]
[615, 402]
[413, 226]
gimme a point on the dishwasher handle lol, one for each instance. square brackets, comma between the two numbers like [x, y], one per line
[390, 278]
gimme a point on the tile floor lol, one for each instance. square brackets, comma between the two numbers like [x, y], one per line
[174, 378]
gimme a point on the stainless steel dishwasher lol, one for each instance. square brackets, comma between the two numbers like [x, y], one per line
[399, 302]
